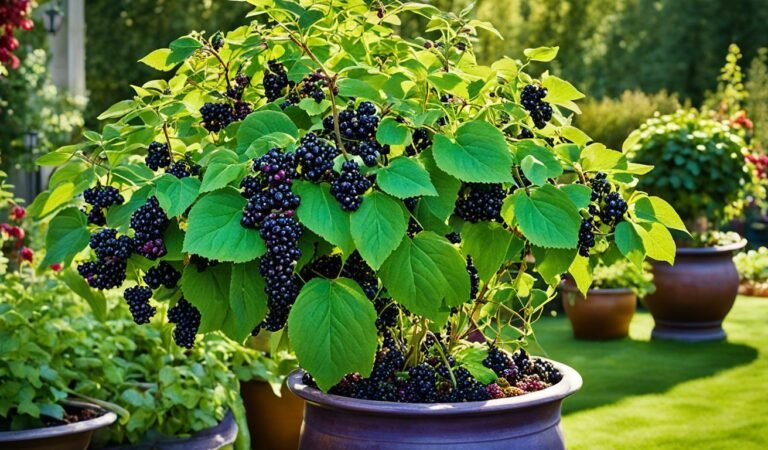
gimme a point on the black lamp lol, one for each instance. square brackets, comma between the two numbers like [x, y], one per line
[31, 138]
[53, 17]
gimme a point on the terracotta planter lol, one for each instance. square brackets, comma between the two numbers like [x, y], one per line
[274, 422]
[531, 421]
[604, 314]
[73, 436]
[693, 297]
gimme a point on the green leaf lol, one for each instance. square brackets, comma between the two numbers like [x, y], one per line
[543, 54]
[423, 271]
[332, 328]
[78, 285]
[553, 262]
[263, 123]
[487, 243]
[352, 87]
[182, 48]
[471, 358]
[247, 301]
[548, 218]
[158, 60]
[560, 91]
[119, 109]
[579, 194]
[208, 291]
[479, 154]
[581, 271]
[597, 157]
[538, 163]
[447, 187]
[630, 243]
[378, 227]
[223, 168]
[392, 132]
[404, 178]
[56, 158]
[214, 230]
[67, 236]
[314, 108]
[655, 209]
[320, 212]
[657, 240]
[176, 195]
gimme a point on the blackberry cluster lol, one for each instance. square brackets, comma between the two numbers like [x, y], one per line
[149, 223]
[137, 298]
[162, 275]
[187, 320]
[349, 185]
[315, 157]
[100, 198]
[614, 208]
[525, 133]
[184, 168]
[480, 202]
[216, 116]
[312, 86]
[275, 81]
[112, 253]
[107, 245]
[586, 237]
[158, 156]
[453, 237]
[474, 278]
[532, 100]
[358, 131]
[270, 189]
[607, 207]
[421, 142]
[600, 186]
[498, 361]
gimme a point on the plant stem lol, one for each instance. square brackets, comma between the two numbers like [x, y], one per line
[168, 140]
[443, 357]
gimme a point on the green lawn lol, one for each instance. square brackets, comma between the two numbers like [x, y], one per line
[640, 394]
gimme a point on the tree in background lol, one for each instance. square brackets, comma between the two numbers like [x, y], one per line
[757, 100]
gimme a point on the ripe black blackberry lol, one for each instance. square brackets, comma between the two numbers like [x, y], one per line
[162, 275]
[149, 223]
[521, 360]
[276, 167]
[613, 209]
[532, 100]
[158, 155]
[467, 388]
[241, 110]
[250, 186]
[474, 278]
[586, 237]
[454, 237]
[349, 185]
[498, 361]
[103, 196]
[315, 157]
[137, 298]
[421, 142]
[358, 130]
[106, 244]
[187, 320]
[216, 116]
[183, 168]
[217, 41]
[242, 81]
[202, 263]
[423, 380]
[480, 202]
[96, 216]
[370, 151]
[103, 274]
[275, 81]
[525, 133]
[263, 203]
[545, 370]
[600, 186]
[387, 362]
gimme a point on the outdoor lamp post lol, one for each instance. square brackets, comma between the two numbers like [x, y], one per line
[31, 138]
[53, 17]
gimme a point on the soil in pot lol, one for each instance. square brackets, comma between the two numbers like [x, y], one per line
[274, 422]
[72, 433]
[694, 296]
[604, 314]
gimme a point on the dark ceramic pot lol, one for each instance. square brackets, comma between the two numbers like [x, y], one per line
[73, 436]
[604, 314]
[222, 436]
[274, 422]
[531, 421]
[693, 297]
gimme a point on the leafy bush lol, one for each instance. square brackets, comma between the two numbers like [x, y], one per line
[701, 166]
[389, 189]
[624, 275]
[611, 120]
[753, 265]
[757, 98]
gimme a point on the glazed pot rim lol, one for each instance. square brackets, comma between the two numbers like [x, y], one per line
[105, 419]
[717, 249]
[570, 383]
[570, 288]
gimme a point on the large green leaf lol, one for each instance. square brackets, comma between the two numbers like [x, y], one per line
[404, 178]
[597, 157]
[208, 291]
[548, 218]
[392, 132]
[581, 271]
[67, 236]
[543, 54]
[655, 209]
[378, 227]
[182, 48]
[78, 285]
[176, 195]
[223, 168]
[538, 163]
[214, 230]
[630, 243]
[351, 87]
[553, 262]
[247, 301]
[332, 328]
[487, 243]
[158, 60]
[263, 123]
[447, 187]
[320, 212]
[478, 154]
[657, 240]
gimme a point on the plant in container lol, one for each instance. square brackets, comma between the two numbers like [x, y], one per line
[753, 272]
[703, 172]
[375, 197]
[606, 311]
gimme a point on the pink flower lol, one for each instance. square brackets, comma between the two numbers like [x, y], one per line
[27, 254]
[55, 267]
[18, 213]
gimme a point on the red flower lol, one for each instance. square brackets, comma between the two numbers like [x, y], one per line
[16, 232]
[18, 213]
[27, 254]
[55, 267]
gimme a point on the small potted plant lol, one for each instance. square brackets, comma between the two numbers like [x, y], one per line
[753, 272]
[373, 197]
[701, 169]
[608, 307]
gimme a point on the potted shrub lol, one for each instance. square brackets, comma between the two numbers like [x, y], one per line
[704, 174]
[753, 272]
[608, 307]
[375, 197]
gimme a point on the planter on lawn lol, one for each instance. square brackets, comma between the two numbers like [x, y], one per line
[525, 422]
[274, 422]
[73, 436]
[604, 314]
[693, 297]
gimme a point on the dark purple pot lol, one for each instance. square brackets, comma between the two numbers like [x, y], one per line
[531, 421]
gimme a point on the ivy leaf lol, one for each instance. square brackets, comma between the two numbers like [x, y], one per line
[392, 132]
[247, 301]
[67, 236]
[487, 243]
[208, 291]
[214, 230]
[447, 187]
[332, 328]
[581, 271]
[182, 48]
[263, 123]
[630, 243]
[548, 218]
[553, 262]
[320, 212]
[378, 227]
[543, 54]
[479, 154]
[78, 285]
[657, 240]
[176, 195]
[655, 209]
[404, 178]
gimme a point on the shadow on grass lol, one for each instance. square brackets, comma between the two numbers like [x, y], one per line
[613, 370]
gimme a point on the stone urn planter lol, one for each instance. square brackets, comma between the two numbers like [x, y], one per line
[73, 436]
[693, 297]
[604, 314]
[274, 422]
[530, 421]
